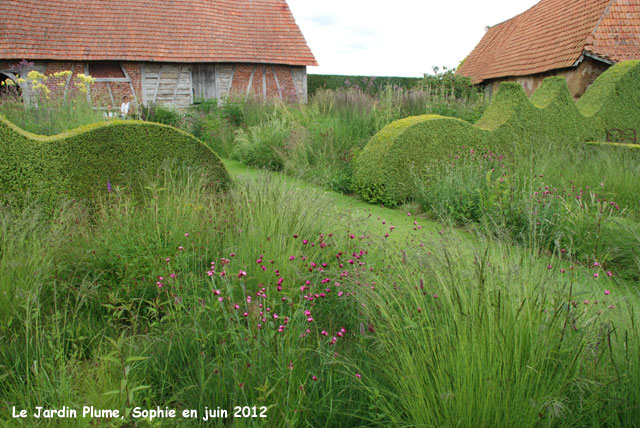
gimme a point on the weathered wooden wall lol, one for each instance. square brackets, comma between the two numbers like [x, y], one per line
[180, 84]
[169, 84]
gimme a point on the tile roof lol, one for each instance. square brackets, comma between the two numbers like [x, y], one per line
[617, 36]
[554, 34]
[257, 31]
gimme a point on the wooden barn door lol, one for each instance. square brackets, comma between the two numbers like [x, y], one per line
[204, 81]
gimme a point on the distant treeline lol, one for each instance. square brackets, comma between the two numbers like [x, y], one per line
[370, 84]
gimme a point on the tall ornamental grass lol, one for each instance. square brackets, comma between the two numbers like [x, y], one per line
[268, 296]
[571, 201]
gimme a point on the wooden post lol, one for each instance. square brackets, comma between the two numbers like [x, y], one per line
[275, 76]
[264, 82]
[250, 82]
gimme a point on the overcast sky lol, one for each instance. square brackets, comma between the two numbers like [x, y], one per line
[396, 37]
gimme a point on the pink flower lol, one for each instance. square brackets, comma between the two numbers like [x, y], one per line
[180, 248]
[241, 274]
[549, 267]
[186, 235]
[595, 275]
[358, 375]
[607, 292]
[314, 378]
[609, 273]
[292, 258]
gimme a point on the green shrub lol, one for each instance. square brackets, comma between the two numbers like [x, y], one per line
[612, 100]
[386, 168]
[264, 145]
[79, 163]
[164, 115]
[511, 124]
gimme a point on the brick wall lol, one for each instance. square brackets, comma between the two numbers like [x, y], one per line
[268, 72]
[272, 81]
[102, 93]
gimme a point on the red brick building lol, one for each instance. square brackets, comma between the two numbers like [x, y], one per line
[164, 51]
[577, 39]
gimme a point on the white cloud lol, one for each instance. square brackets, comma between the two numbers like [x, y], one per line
[396, 38]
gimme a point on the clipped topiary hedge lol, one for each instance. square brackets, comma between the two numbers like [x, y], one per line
[78, 163]
[371, 84]
[387, 168]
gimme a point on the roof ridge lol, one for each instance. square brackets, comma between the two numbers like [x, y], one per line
[606, 9]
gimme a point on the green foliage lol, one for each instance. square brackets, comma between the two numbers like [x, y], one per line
[50, 116]
[612, 100]
[386, 168]
[614, 146]
[577, 202]
[448, 84]
[511, 124]
[264, 145]
[369, 84]
[115, 308]
[165, 115]
[79, 163]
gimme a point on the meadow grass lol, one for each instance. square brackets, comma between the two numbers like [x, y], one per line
[278, 294]
[50, 116]
[574, 201]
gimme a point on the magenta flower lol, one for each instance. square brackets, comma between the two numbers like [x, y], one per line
[358, 375]
[607, 292]
[241, 274]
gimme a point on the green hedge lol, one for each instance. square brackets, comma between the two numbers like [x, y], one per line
[368, 83]
[387, 167]
[78, 163]
[615, 146]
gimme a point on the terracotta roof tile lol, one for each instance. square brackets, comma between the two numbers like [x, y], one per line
[617, 36]
[262, 31]
[554, 34]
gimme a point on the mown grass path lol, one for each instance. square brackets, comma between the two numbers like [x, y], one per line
[465, 246]
[366, 215]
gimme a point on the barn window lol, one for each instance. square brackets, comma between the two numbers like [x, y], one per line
[106, 70]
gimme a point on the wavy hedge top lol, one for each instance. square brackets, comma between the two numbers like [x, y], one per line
[78, 163]
[402, 151]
